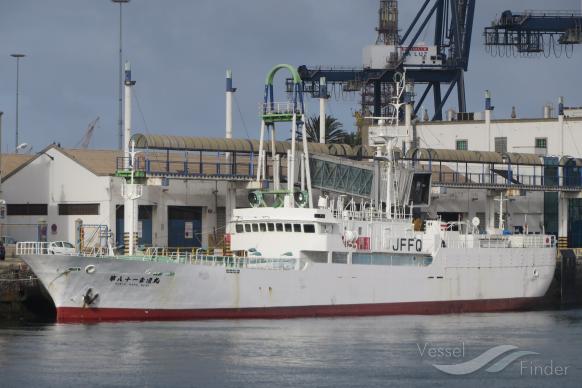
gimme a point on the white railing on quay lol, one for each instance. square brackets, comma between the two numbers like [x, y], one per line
[31, 248]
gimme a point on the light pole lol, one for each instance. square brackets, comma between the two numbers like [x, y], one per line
[120, 79]
[17, 56]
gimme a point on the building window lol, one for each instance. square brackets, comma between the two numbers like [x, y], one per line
[271, 227]
[541, 146]
[462, 145]
[78, 209]
[501, 145]
[26, 209]
[263, 227]
[247, 228]
[255, 227]
[288, 228]
[239, 228]
[279, 227]
[297, 228]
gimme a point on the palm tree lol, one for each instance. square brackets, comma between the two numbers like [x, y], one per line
[334, 132]
[353, 139]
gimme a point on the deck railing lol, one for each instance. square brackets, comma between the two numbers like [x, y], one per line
[195, 257]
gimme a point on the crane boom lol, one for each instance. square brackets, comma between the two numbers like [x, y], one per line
[89, 134]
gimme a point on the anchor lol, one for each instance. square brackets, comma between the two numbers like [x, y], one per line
[89, 297]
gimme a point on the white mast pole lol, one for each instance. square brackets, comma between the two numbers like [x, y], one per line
[291, 172]
[229, 94]
[260, 157]
[131, 230]
[322, 115]
[128, 96]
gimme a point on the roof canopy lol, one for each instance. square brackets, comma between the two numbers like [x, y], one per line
[570, 161]
[444, 155]
[186, 143]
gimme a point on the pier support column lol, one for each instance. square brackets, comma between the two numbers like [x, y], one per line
[563, 203]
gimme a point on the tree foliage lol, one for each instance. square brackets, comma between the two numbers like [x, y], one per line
[334, 133]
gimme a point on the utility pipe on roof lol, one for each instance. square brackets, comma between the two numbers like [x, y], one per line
[229, 94]
[127, 132]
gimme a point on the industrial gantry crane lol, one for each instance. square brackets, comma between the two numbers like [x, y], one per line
[551, 33]
[443, 62]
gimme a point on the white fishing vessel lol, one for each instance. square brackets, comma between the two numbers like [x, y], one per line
[295, 258]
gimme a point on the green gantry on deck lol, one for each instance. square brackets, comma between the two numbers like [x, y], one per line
[280, 112]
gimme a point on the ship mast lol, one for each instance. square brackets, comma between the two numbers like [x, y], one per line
[388, 131]
[131, 192]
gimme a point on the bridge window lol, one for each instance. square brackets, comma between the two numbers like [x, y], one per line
[339, 258]
[239, 228]
[247, 228]
[279, 227]
[297, 228]
[255, 228]
[263, 227]
[462, 145]
[309, 228]
[288, 228]
[270, 227]
[501, 144]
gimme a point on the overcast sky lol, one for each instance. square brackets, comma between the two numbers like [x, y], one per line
[179, 50]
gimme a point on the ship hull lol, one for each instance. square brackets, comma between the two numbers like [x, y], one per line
[79, 314]
[94, 289]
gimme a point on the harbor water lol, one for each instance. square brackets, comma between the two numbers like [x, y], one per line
[342, 352]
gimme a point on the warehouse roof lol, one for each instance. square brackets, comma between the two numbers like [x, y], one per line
[11, 162]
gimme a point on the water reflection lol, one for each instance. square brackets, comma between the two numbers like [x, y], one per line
[376, 351]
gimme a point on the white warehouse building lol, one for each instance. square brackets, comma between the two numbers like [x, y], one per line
[47, 193]
[554, 140]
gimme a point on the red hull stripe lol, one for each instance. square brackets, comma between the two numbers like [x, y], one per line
[77, 314]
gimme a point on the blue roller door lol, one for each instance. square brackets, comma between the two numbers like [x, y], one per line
[184, 226]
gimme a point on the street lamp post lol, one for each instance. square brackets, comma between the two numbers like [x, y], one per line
[17, 56]
[120, 79]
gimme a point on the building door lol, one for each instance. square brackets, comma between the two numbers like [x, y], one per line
[574, 223]
[144, 226]
[119, 226]
[551, 178]
[184, 226]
